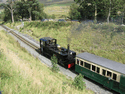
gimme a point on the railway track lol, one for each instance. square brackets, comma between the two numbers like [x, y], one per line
[22, 39]
[89, 84]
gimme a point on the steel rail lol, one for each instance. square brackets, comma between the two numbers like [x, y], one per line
[22, 39]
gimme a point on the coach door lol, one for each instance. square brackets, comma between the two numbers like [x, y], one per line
[122, 85]
[107, 82]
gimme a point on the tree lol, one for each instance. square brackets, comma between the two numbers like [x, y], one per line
[7, 16]
[11, 7]
[123, 12]
[2, 15]
[74, 13]
[54, 61]
[88, 7]
[112, 7]
[34, 8]
[120, 9]
[95, 3]
[30, 9]
[100, 8]
[78, 82]
[109, 13]
[21, 9]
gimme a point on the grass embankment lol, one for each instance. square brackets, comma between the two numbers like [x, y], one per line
[107, 40]
[21, 73]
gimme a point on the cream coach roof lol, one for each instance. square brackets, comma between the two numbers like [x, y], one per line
[118, 67]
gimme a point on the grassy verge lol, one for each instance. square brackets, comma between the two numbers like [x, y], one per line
[20, 73]
[107, 40]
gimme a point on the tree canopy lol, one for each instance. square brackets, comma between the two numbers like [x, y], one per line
[98, 9]
[30, 9]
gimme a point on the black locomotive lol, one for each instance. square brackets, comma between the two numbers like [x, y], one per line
[49, 46]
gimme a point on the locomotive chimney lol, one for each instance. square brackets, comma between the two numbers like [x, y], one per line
[68, 48]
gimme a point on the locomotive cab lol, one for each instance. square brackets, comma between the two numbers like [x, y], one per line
[46, 41]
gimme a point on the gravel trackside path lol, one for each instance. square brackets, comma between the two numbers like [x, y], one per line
[98, 89]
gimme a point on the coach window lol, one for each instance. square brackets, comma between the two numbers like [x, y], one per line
[87, 65]
[81, 63]
[114, 76]
[98, 70]
[78, 61]
[109, 74]
[103, 72]
[93, 67]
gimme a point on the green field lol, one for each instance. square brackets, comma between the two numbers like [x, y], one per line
[58, 11]
[52, 2]
[21, 73]
[65, 4]
[60, 8]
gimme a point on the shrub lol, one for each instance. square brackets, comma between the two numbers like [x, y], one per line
[54, 63]
[78, 82]
[74, 12]
[121, 29]
[53, 16]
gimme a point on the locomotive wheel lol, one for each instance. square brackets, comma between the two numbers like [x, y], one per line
[41, 52]
[61, 63]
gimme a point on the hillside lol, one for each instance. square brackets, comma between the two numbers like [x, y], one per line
[21, 73]
[107, 40]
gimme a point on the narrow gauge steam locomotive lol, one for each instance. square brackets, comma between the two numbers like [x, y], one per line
[109, 73]
[49, 46]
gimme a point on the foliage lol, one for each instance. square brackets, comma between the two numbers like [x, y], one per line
[50, 25]
[7, 16]
[10, 5]
[74, 13]
[53, 16]
[106, 9]
[2, 15]
[78, 82]
[23, 8]
[33, 8]
[54, 61]
[120, 29]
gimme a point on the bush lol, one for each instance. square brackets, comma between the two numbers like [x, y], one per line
[78, 82]
[53, 16]
[74, 12]
[54, 61]
[121, 29]
[50, 25]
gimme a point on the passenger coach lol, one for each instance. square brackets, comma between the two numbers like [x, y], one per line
[109, 73]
